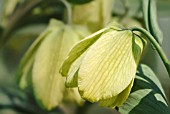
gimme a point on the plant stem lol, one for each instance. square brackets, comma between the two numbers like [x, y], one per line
[156, 45]
[16, 19]
[69, 11]
[126, 7]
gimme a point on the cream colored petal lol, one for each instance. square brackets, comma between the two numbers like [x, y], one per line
[25, 74]
[48, 84]
[94, 19]
[108, 66]
[25, 68]
[108, 102]
[90, 18]
[55, 24]
[72, 95]
[78, 50]
[46, 81]
[72, 76]
[82, 31]
[123, 96]
[119, 99]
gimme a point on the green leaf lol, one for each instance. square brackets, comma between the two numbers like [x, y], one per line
[150, 17]
[79, 1]
[147, 95]
[5, 100]
[1, 30]
[168, 67]
[154, 26]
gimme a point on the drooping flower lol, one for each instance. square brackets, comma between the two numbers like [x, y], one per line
[40, 65]
[103, 65]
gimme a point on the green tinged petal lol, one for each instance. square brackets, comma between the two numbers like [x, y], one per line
[55, 24]
[48, 84]
[115, 26]
[71, 79]
[123, 95]
[45, 81]
[95, 18]
[24, 72]
[72, 76]
[108, 66]
[72, 95]
[78, 50]
[137, 47]
[71, 65]
[119, 99]
[108, 102]
[27, 61]
[40, 65]
[82, 31]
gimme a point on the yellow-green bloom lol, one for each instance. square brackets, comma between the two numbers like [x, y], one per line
[103, 65]
[40, 65]
[96, 14]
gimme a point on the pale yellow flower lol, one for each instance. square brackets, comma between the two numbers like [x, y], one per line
[40, 65]
[103, 65]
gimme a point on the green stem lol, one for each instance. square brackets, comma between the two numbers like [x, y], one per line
[16, 18]
[156, 45]
[69, 11]
[126, 7]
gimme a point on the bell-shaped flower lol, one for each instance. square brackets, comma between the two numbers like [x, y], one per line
[103, 65]
[40, 65]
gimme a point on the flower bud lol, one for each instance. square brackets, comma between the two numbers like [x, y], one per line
[103, 65]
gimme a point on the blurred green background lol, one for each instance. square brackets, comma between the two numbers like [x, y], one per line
[12, 100]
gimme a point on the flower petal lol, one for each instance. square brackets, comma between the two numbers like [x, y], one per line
[137, 47]
[108, 102]
[25, 68]
[82, 31]
[72, 76]
[48, 84]
[72, 95]
[108, 66]
[45, 82]
[78, 50]
[119, 99]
